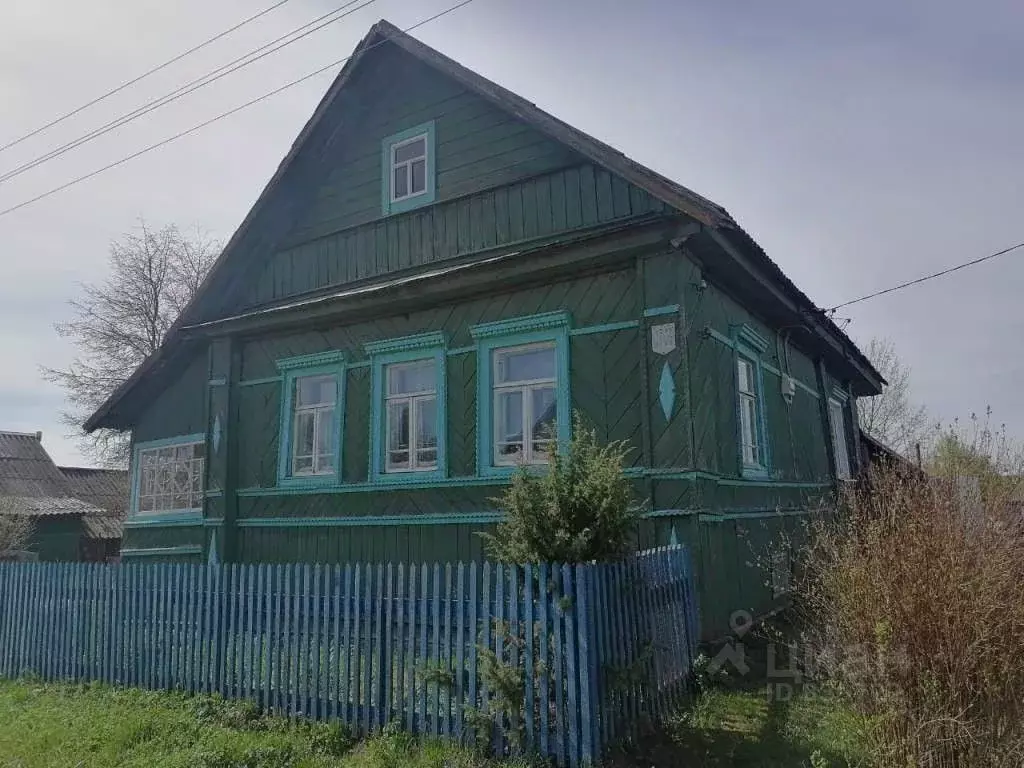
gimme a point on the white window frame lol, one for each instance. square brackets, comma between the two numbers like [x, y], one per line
[407, 165]
[840, 445]
[526, 388]
[195, 469]
[754, 397]
[414, 401]
[317, 470]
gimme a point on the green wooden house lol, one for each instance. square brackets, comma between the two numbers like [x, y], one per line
[437, 272]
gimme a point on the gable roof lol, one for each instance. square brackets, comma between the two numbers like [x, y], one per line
[105, 489]
[709, 214]
[30, 483]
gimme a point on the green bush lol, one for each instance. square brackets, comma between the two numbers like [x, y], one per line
[580, 509]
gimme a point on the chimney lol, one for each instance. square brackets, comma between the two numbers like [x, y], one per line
[39, 436]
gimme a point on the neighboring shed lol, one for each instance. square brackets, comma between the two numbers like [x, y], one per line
[106, 490]
[75, 516]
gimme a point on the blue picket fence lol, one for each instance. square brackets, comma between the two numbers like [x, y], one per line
[597, 647]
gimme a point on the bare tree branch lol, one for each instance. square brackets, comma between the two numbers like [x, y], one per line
[891, 417]
[118, 323]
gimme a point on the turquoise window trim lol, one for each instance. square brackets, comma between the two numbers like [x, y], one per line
[424, 346]
[747, 336]
[519, 331]
[742, 349]
[133, 498]
[430, 192]
[292, 368]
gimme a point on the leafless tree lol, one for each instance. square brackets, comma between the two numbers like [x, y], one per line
[892, 417]
[15, 528]
[119, 322]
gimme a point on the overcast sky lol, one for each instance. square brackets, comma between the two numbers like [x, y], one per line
[861, 144]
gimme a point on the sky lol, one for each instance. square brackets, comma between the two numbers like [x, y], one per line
[861, 144]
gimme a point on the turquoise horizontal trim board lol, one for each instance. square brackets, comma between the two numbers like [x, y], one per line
[214, 493]
[671, 309]
[192, 549]
[768, 483]
[369, 520]
[405, 343]
[732, 516]
[460, 351]
[259, 382]
[358, 364]
[219, 381]
[413, 483]
[605, 328]
[478, 518]
[543, 322]
[164, 521]
[197, 437]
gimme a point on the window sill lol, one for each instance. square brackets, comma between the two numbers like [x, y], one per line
[755, 473]
[308, 481]
[411, 477]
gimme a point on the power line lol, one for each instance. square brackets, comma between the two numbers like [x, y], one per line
[201, 82]
[221, 116]
[143, 76]
[907, 284]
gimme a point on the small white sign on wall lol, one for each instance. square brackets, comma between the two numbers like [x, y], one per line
[663, 338]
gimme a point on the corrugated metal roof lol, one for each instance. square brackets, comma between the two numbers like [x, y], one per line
[103, 488]
[45, 506]
[102, 527]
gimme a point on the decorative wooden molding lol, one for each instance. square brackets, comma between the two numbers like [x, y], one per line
[406, 343]
[332, 357]
[542, 322]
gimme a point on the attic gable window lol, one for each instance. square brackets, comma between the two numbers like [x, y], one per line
[407, 163]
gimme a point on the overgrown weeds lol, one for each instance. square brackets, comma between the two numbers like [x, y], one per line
[911, 605]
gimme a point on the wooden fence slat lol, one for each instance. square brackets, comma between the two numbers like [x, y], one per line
[421, 662]
[473, 633]
[460, 652]
[334, 666]
[561, 722]
[410, 652]
[571, 665]
[381, 666]
[529, 669]
[346, 694]
[399, 646]
[387, 654]
[318, 644]
[446, 654]
[435, 654]
[543, 687]
[366, 651]
[498, 649]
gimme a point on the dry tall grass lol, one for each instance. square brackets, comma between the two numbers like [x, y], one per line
[913, 603]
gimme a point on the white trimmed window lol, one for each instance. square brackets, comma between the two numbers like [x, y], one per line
[170, 477]
[524, 382]
[409, 167]
[837, 421]
[411, 416]
[314, 441]
[749, 403]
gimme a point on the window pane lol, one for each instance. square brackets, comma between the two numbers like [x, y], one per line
[315, 390]
[302, 465]
[426, 423]
[525, 364]
[426, 457]
[401, 182]
[748, 430]
[302, 440]
[746, 376]
[411, 378]
[419, 177]
[326, 438]
[415, 148]
[398, 426]
[543, 412]
[508, 410]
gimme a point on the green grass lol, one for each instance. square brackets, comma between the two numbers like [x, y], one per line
[94, 726]
[742, 729]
